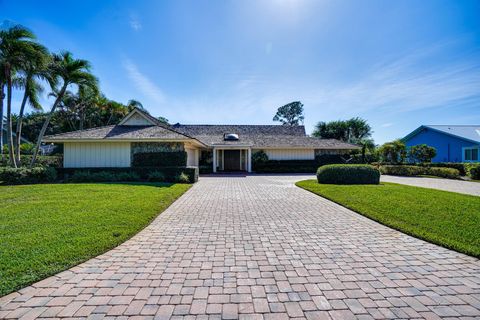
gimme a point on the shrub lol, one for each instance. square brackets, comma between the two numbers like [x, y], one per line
[401, 170]
[127, 176]
[27, 176]
[182, 178]
[84, 174]
[87, 176]
[259, 158]
[421, 153]
[473, 170]
[324, 159]
[286, 166]
[393, 152]
[348, 174]
[160, 159]
[461, 167]
[156, 176]
[42, 161]
[448, 173]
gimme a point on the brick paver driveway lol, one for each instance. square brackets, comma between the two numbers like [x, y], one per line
[460, 186]
[259, 248]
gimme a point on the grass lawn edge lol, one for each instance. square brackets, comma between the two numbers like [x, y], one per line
[394, 227]
[109, 247]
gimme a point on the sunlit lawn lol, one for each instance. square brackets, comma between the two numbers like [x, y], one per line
[48, 228]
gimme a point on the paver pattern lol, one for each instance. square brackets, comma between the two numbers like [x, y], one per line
[257, 247]
[459, 186]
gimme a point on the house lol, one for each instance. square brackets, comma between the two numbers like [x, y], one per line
[224, 147]
[454, 143]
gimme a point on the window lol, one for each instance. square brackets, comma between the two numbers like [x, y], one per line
[470, 154]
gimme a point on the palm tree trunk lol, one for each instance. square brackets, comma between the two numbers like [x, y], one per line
[45, 124]
[18, 131]
[9, 118]
[2, 96]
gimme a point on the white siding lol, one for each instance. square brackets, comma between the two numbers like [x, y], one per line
[137, 120]
[290, 154]
[96, 154]
[192, 157]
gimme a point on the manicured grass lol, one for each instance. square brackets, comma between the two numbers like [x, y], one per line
[48, 228]
[448, 219]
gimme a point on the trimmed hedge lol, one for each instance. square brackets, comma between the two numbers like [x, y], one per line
[412, 171]
[286, 166]
[11, 176]
[461, 167]
[160, 159]
[171, 174]
[348, 174]
[42, 161]
[402, 170]
[297, 166]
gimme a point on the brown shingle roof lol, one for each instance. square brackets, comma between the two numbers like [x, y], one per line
[256, 136]
[120, 133]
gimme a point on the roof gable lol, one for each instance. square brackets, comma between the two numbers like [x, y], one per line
[138, 117]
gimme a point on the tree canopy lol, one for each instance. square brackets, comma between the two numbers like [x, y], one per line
[353, 130]
[290, 114]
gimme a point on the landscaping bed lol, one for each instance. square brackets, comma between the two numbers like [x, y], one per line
[449, 219]
[47, 228]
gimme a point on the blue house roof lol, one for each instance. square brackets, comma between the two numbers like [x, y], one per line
[466, 132]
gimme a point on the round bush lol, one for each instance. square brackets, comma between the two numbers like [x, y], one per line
[348, 174]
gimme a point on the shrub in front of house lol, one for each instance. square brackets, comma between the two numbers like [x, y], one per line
[348, 174]
[156, 176]
[42, 161]
[182, 178]
[473, 170]
[402, 170]
[461, 167]
[449, 173]
[160, 159]
[11, 176]
[170, 174]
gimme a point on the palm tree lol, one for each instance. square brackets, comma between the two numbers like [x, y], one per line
[70, 71]
[16, 47]
[34, 69]
[2, 96]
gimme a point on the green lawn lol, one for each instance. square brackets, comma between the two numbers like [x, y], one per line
[48, 228]
[448, 219]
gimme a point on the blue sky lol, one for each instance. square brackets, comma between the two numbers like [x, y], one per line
[398, 64]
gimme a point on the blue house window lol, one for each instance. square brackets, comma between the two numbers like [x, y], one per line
[470, 154]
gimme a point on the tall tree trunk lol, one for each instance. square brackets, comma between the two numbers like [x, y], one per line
[82, 117]
[2, 96]
[9, 118]
[18, 131]
[45, 124]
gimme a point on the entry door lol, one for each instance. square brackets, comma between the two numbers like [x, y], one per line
[231, 160]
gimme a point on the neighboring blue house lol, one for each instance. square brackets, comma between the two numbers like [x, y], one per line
[453, 143]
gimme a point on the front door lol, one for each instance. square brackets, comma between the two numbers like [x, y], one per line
[231, 160]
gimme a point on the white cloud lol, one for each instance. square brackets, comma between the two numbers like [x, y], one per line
[386, 125]
[143, 83]
[135, 23]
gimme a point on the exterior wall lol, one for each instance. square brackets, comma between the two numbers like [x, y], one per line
[96, 154]
[449, 148]
[137, 120]
[192, 157]
[289, 154]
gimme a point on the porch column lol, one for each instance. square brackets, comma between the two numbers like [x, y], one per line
[214, 160]
[249, 159]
